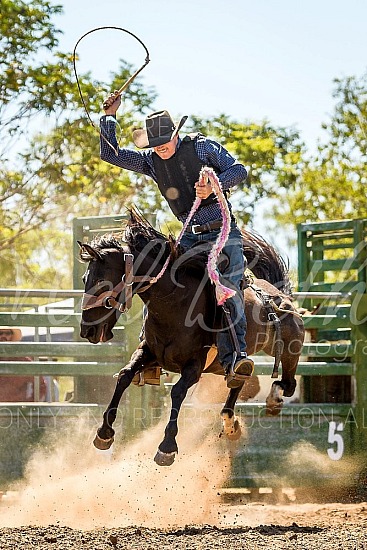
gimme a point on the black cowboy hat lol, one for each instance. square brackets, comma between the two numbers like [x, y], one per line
[159, 129]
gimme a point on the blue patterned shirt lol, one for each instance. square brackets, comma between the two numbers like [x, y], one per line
[211, 153]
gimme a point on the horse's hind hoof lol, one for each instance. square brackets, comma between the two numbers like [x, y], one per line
[164, 459]
[274, 408]
[274, 401]
[102, 444]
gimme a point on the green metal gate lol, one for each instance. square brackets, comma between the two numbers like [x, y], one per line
[319, 438]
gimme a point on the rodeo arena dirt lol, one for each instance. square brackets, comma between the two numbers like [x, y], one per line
[74, 496]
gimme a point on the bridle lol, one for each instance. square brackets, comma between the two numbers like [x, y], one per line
[109, 298]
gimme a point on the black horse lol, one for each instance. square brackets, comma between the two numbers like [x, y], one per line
[183, 318]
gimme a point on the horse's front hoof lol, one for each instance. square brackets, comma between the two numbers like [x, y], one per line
[102, 444]
[236, 433]
[164, 459]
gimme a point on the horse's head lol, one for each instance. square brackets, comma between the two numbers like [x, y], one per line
[116, 271]
[104, 287]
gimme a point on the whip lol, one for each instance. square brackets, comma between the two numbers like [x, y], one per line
[127, 83]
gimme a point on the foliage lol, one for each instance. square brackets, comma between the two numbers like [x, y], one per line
[50, 170]
[48, 177]
[26, 34]
[273, 156]
[332, 184]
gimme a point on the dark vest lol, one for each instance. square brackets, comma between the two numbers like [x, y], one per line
[177, 176]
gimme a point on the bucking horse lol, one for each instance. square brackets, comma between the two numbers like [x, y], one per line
[183, 318]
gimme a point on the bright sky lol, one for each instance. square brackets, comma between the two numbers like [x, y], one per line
[252, 60]
[248, 59]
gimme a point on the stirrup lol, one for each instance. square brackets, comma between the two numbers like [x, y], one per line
[239, 371]
[150, 375]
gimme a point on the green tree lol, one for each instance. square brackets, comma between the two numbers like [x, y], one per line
[26, 34]
[332, 183]
[47, 178]
[273, 157]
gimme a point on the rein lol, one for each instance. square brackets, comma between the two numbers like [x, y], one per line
[109, 299]
[222, 292]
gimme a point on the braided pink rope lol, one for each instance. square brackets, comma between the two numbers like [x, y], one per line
[194, 207]
[222, 292]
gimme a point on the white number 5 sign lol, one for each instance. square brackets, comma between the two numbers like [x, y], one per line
[335, 453]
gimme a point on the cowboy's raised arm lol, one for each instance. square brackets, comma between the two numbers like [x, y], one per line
[110, 151]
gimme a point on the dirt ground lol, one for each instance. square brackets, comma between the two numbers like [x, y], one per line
[253, 525]
[74, 497]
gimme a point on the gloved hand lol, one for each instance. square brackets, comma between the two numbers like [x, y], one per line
[203, 189]
[112, 103]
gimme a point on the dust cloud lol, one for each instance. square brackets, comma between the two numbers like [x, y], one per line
[326, 478]
[70, 483]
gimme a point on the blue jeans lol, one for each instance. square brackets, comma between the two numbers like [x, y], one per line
[231, 277]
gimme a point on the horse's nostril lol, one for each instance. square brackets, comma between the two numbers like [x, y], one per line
[86, 331]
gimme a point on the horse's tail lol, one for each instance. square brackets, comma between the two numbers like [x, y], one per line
[265, 262]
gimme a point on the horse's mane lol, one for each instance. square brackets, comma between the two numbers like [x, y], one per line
[138, 232]
[265, 262]
[107, 241]
[100, 245]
